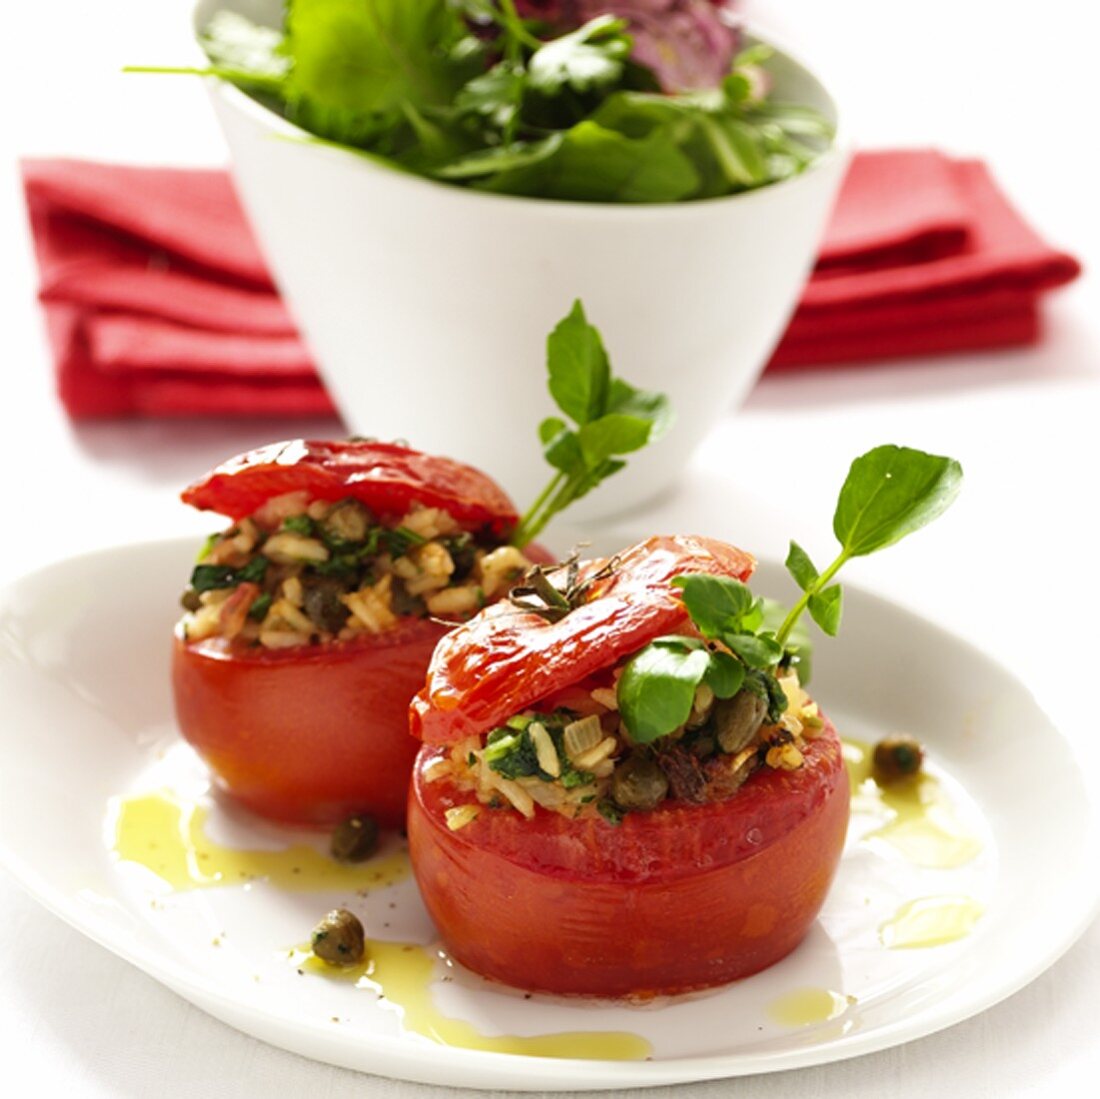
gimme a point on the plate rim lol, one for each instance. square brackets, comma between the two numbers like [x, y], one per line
[511, 1070]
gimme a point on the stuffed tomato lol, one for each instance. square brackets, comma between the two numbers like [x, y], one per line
[310, 620]
[562, 845]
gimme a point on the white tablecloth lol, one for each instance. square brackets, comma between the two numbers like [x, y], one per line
[1012, 567]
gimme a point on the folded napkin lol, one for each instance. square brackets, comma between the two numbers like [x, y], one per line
[158, 301]
[923, 255]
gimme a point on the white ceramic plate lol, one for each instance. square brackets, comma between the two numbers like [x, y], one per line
[87, 719]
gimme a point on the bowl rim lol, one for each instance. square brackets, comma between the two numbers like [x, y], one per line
[282, 129]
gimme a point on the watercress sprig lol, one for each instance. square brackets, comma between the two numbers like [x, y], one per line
[610, 418]
[889, 493]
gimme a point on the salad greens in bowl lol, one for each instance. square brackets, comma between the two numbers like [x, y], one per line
[434, 182]
[628, 101]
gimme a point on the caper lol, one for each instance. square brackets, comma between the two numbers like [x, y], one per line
[355, 840]
[896, 757]
[638, 783]
[190, 600]
[339, 938]
[737, 720]
[347, 521]
[321, 601]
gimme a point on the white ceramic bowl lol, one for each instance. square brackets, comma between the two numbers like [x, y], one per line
[427, 306]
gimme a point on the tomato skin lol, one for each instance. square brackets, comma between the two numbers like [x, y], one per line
[313, 734]
[680, 898]
[502, 660]
[306, 736]
[387, 478]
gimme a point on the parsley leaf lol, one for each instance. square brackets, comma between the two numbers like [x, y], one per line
[593, 56]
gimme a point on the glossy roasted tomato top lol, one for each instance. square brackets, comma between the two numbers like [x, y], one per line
[387, 478]
[505, 659]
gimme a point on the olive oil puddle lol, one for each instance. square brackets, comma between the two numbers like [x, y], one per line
[167, 835]
[809, 1006]
[931, 921]
[403, 974]
[923, 826]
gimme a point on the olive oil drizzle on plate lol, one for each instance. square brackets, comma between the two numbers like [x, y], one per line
[922, 826]
[403, 974]
[168, 836]
[931, 921]
[808, 1006]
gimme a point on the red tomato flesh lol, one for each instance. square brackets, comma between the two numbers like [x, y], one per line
[315, 733]
[311, 735]
[387, 478]
[503, 659]
[682, 897]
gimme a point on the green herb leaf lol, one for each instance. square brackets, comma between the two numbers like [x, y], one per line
[716, 603]
[801, 567]
[612, 417]
[210, 577]
[724, 675]
[592, 56]
[260, 606]
[512, 755]
[233, 42]
[496, 95]
[400, 540]
[825, 608]
[799, 648]
[654, 407]
[359, 63]
[610, 435]
[764, 685]
[610, 812]
[300, 524]
[590, 163]
[580, 372]
[499, 160]
[657, 687]
[254, 571]
[890, 492]
[759, 651]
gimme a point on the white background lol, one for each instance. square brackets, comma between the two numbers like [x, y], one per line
[1012, 567]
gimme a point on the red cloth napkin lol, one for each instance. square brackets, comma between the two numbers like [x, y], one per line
[158, 301]
[923, 255]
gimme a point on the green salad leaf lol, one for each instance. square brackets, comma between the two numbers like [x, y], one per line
[468, 93]
[593, 56]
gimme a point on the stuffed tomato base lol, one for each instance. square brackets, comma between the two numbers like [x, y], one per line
[683, 897]
[306, 736]
[311, 619]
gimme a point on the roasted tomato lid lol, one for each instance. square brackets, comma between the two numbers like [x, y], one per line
[506, 659]
[386, 477]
